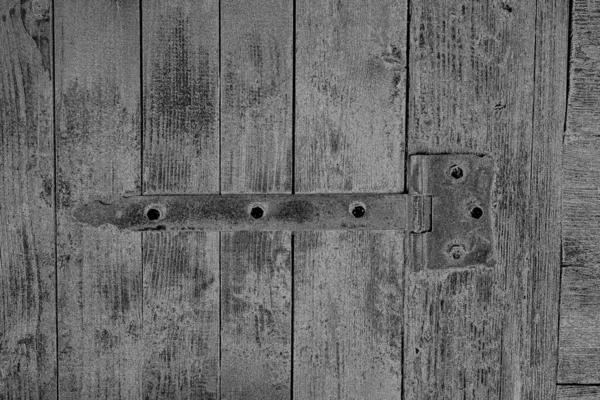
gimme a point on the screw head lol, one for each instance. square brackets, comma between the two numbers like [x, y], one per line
[457, 251]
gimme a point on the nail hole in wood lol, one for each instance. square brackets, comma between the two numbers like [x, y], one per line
[358, 209]
[456, 172]
[153, 214]
[476, 212]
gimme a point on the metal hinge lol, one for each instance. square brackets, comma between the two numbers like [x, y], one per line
[446, 211]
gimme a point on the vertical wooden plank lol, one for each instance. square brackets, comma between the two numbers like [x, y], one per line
[256, 314]
[256, 137]
[256, 106]
[350, 96]
[180, 323]
[27, 260]
[181, 155]
[579, 346]
[348, 315]
[489, 77]
[98, 156]
[181, 96]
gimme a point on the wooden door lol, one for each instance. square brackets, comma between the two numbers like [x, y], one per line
[110, 98]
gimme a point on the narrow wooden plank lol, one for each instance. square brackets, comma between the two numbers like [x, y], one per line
[98, 150]
[256, 144]
[350, 96]
[181, 340]
[348, 315]
[181, 156]
[256, 105]
[579, 347]
[256, 315]
[579, 354]
[578, 392]
[489, 77]
[27, 261]
[181, 96]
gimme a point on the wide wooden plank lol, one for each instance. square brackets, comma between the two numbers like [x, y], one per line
[578, 392]
[256, 103]
[181, 322]
[180, 156]
[257, 153]
[98, 156]
[181, 96]
[579, 347]
[348, 315]
[489, 77]
[27, 260]
[256, 315]
[350, 95]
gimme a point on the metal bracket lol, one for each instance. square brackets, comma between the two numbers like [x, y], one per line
[446, 211]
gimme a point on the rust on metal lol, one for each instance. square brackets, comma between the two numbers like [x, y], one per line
[461, 214]
[252, 212]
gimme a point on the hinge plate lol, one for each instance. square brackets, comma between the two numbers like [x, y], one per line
[460, 187]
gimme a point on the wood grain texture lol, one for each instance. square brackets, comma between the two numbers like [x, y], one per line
[181, 96]
[256, 102]
[578, 392]
[348, 315]
[181, 156]
[181, 316]
[98, 156]
[27, 260]
[350, 96]
[579, 347]
[256, 315]
[579, 351]
[256, 145]
[489, 77]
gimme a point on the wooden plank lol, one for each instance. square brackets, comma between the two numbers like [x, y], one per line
[181, 96]
[257, 152]
[578, 392]
[181, 156]
[256, 315]
[98, 153]
[27, 259]
[489, 77]
[181, 294]
[579, 347]
[256, 105]
[348, 315]
[350, 95]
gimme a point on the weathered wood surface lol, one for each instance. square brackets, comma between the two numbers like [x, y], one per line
[181, 155]
[98, 156]
[490, 77]
[27, 260]
[180, 42]
[349, 118]
[578, 392]
[256, 157]
[256, 96]
[579, 355]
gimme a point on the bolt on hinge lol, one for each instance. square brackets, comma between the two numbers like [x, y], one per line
[446, 211]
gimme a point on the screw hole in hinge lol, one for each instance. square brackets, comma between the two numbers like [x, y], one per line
[257, 211]
[476, 212]
[358, 209]
[153, 214]
[456, 172]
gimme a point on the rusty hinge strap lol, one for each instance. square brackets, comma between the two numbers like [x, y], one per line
[253, 212]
